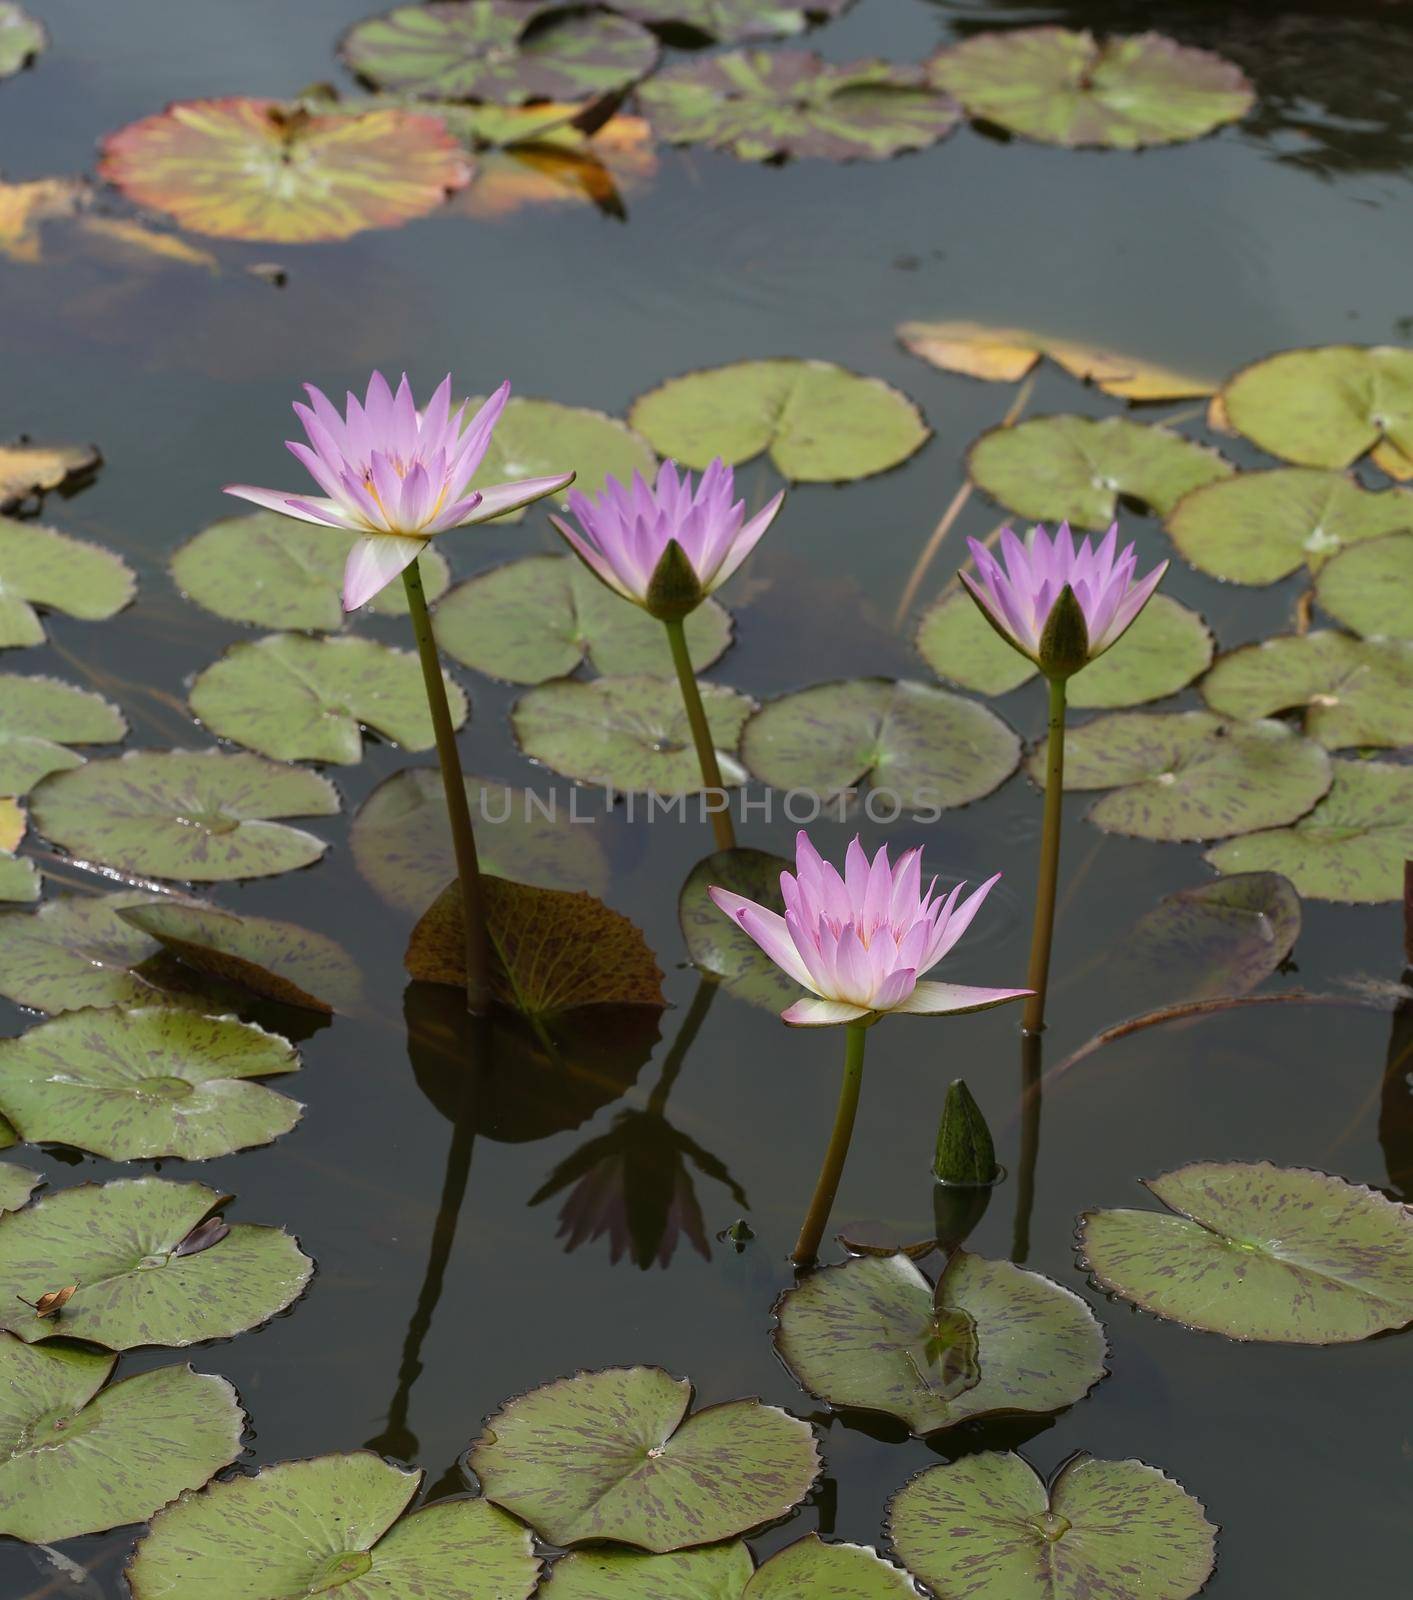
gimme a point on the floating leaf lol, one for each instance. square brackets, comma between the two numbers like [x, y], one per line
[132, 241]
[1075, 468]
[42, 567]
[300, 1528]
[718, 944]
[728, 21]
[923, 747]
[1068, 88]
[629, 733]
[21, 38]
[1255, 1251]
[201, 815]
[767, 105]
[27, 468]
[958, 643]
[19, 879]
[39, 717]
[614, 1455]
[820, 423]
[77, 1458]
[117, 1242]
[561, 165]
[242, 168]
[17, 1184]
[1350, 848]
[986, 1526]
[24, 206]
[1190, 774]
[873, 1334]
[506, 51]
[1367, 588]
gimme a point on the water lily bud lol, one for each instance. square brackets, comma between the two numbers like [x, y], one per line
[674, 590]
[1064, 640]
[965, 1153]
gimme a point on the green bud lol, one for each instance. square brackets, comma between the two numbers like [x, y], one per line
[1064, 641]
[965, 1153]
[674, 590]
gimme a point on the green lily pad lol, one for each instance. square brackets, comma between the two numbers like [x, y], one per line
[874, 1335]
[1367, 588]
[987, 1527]
[769, 105]
[17, 1184]
[300, 699]
[39, 718]
[45, 569]
[540, 617]
[820, 423]
[200, 815]
[301, 1528]
[21, 38]
[718, 944]
[1068, 88]
[924, 747]
[629, 734]
[401, 839]
[76, 1457]
[1255, 1251]
[728, 21]
[1350, 848]
[1349, 691]
[19, 879]
[1325, 407]
[276, 572]
[133, 1085]
[118, 1242]
[1259, 527]
[958, 643]
[614, 1455]
[505, 51]
[1190, 774]
[1075, 468]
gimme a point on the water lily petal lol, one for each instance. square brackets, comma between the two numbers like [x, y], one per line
[373, 563]
[939, 999]
[814, 1013]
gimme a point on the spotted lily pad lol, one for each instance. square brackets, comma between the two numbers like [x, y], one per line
[242, 168]
[19, 879]
[1068, 88]
[540, 617]
[76, 1457]
[1368, 588]
[820, 423]
[132, 1085]
[40, 567]
[119, 1243]
[875, 1335]
[1255, 1251]
[39, 718]
[921, 747]
[17, 1184]
[1191, 774]
[1350, 848]
[505, 51]
[986, 1526]
[718, 944]
[29, 468]
[809, 1567]
[301, 1528]
[614, 1455]
[200, 815]
[21, 38]
[1075, 468]
[728, 21]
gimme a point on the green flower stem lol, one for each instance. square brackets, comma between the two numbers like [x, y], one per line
[807, 1246]
[701, 733]
[478, 962]
[1043, 932]
[1031, 1087]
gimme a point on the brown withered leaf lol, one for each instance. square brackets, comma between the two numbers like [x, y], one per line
[24, 206]
[558, 165]
[28, 468]
[203, 1236]
[51, 1304]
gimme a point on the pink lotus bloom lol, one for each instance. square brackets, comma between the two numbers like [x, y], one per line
[627, 533]
[1019, 599]
[860, 942]
[396, 475]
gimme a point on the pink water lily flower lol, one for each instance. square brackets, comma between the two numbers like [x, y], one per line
[1019, 599]
[861, 941]
[395, 475]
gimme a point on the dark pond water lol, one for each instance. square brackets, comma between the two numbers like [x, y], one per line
[1292, 229]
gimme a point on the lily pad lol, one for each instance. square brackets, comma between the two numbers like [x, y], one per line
[76, 1457]
[540, 617]
[21, 38]
[629, 734]
[1259, 527]
[119, 1243]
[41, 567]
[505, 51]
[28, 468]
[986, 1526]
[1075, 469]
[1368, 588]
[1350, 848]
[729, 21]
[922, 747]
[718, 944]
[1255, 1251]
[874, 1335]
[19, 880]
[614, 1455]
[242, 168]
[1190, 774]
[1325, 407]
[1349, 691]
[39, 718]
[17, 1184]
[276, 572]
[769, 105]
[300, 1528]
[820, 423]
[1068, 88]
[200, 815]
[12, 825]
[133, 1085]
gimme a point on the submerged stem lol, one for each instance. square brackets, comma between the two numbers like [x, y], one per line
[816, 1219]
[1039, 974]
[701, 735]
